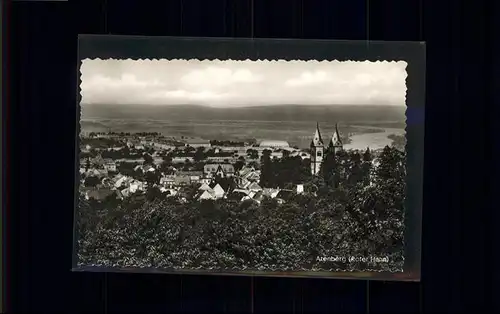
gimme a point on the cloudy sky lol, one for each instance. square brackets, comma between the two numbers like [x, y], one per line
[242, 83]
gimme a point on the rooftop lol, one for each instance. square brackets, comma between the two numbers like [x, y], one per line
[274, 143]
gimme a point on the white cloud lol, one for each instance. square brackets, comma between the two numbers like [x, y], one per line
[242, 83]
[309, 78]
[218, 76]
[185, 96]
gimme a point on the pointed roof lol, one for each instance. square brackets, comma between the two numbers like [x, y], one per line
[317, 140]
[220, 169]
[218, 189]
[336, 139]
[254, 186]
[204, 187]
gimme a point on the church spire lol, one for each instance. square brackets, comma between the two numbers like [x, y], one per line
[336, 140]
[317, 140]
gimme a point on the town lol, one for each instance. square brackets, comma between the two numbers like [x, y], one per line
[124, 165]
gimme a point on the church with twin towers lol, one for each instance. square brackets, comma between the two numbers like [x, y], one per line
[318, 148]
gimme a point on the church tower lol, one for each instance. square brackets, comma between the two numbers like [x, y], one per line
[317, 150]
[335, 144]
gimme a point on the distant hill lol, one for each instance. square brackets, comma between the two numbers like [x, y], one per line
[334, 113]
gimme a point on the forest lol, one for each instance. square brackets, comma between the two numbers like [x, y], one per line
[353, 208]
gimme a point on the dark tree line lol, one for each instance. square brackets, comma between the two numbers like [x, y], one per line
[283, 172]
[398, 141]
[346, 215]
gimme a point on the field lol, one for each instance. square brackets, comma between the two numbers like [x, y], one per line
[293, 123]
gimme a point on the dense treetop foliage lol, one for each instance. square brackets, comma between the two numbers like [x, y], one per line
[354, 208]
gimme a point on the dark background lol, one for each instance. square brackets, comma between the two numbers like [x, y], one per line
[460, 207]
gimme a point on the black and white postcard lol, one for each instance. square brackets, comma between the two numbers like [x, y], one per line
[253, 164]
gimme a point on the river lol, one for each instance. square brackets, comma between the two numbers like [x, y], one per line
[373, 140]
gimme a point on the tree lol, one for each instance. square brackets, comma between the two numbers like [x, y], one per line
[152, 178]
[252, 153]
[199, 154]
[355, 172]
[367, 155]
[366, 167]
[266, 175]
[148, 160]
[392, 166]
[92, 181]
[329, 169]
[238, 165]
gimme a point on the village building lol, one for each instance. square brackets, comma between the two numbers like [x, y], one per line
[213, 192]
[167, 181]
[194, 176]
[102, 194]
[109, 165]
[212, 170]
[182, 160]
[197, 143]
[274, 144]
[221, 159]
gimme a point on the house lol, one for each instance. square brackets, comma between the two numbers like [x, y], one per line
[167, 180]
[245, 171]
[237, 196]
[243, 183]
[218, 169]
[277, 155]
[300, 189]
[194, 176]
[204, 187]
[249, 174]
[96, 173]
[109, 165]
[284, 195]
[84, 161]
[206, 195]
[157, 161]
[270, 192]
[136, 185]
[246, 192]
[254, 186]
[182, 160]
[125, 192]
[107, 182]
[259, 196]
[205, 180]
[98, 161]
[221, 159]
[182, 180]
[196, 143]
[213, 193]
[122, 181]
[218, 191]
[148, 168]
[101, 194]
[163, 145]
[253, 176]
[169, 192]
